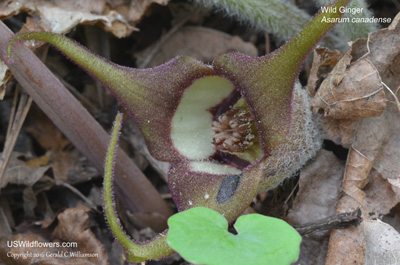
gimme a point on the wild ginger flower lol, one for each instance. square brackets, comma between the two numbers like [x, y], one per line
[229, 129]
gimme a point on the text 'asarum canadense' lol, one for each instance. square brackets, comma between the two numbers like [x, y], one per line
[229, 130]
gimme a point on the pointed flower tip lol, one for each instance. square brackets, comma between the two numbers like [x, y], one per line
[9, 49]
[113, 145]
[16, 39]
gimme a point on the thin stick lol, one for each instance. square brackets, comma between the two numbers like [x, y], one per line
[342, 220]
[393, 94]
[14, 128]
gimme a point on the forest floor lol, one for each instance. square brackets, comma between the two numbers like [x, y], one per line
[50, 192]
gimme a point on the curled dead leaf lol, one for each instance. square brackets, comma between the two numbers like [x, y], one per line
[387, 161]
[356, 177]
[383, 51]
[308, 205]
[382, 243]
[347, 245]
[72, 243]
[358, 49]
[323, 62]
[363, 184]
[380, 196]
[24, 254]
[40, 127]
[74, 226]
[21, 173]
[320, 177]
[343, 129]
[351, 91]
[116, 17]
[347, 248]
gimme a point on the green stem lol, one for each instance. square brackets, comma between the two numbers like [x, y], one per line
[298, 47]
[109, 74]
[154, 249]
[280, 18]
[351, 31]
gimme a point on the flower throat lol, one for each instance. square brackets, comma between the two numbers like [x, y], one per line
[234, 130]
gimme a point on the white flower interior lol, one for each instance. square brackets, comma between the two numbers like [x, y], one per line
[191, 131]
[213, 168]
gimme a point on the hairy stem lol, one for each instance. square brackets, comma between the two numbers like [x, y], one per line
[281, 18]
[108, 73]
[154, 249]
[301, 45]
[352, 31]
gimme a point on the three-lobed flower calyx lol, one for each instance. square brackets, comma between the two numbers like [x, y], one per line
[222, 148]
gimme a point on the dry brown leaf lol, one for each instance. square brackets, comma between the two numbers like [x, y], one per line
[73, 227]
[323, 62]
[380, 196]
[66, 164]
[63, 163]
[201, 43]
[44, 131]
[53, 141]
[18, 172]
[28, 254]
[60, 16]
[387, 161]
[374, 156]
[26, 173]
[393, 218]
[351, 91]
[395, 184]
[365, 187]
[382, 243]
[347, 245]
[358, 49]
[342, 129]
[319, 189]
[383, 52]
[38, 161]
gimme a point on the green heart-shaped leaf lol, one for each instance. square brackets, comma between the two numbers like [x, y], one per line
[200, 235]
